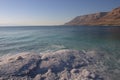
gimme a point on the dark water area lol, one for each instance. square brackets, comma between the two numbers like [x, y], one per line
[40, 39]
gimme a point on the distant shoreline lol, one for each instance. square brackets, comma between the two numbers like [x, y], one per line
[111, 18]
[65, 26]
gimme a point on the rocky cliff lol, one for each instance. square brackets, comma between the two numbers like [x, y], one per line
[102, 18]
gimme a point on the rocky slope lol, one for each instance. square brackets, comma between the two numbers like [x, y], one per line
[102, 18]
[60, 65]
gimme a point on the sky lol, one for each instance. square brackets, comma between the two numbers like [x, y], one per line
[49, 12]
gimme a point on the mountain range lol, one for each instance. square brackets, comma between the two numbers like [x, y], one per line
[111, 18]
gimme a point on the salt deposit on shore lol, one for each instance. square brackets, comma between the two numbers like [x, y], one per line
[59, 65]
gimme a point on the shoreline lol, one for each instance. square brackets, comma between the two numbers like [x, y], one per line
[59, 65]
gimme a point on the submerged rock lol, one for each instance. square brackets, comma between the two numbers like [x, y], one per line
[59, 65]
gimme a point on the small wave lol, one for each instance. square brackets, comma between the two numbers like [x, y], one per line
[53, 48]
[58, 46]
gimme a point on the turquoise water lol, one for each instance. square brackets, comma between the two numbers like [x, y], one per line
[40, 39]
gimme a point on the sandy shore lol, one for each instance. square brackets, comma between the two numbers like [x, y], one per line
[59, 65]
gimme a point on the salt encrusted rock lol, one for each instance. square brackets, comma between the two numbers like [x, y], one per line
[38, 77]
[92, 75]
[19, 58]
[60, 65]
[49, 75]
[73, 71]
[85, 73]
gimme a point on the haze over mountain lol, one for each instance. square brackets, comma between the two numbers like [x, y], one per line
[101, 18]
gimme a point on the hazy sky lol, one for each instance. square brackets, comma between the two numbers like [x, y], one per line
[49, 12]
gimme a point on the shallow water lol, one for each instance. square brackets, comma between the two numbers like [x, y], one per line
[43, 38]
[40, 39]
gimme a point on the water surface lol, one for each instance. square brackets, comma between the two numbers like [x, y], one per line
[40, 39]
